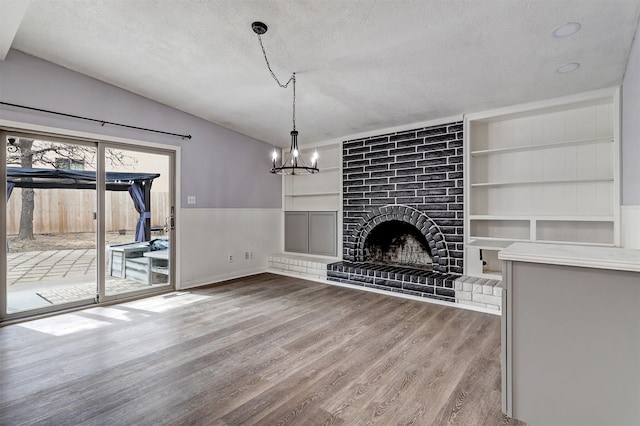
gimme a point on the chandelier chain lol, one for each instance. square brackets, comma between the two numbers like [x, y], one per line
[264, 53]
[284, 86]
[293, 163]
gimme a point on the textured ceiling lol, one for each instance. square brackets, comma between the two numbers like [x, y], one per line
[361, 65]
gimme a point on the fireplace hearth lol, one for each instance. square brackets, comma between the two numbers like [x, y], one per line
[397, 279]
[399, 249]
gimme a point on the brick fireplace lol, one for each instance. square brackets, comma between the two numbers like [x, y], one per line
[438, 251]
[414, 178]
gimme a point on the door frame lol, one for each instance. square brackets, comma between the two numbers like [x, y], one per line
[101, 142]
[171, 154]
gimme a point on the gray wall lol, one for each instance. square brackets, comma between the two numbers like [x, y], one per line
[631, 127]
[222, 168]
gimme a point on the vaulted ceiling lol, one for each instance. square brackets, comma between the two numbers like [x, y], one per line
[361, 65]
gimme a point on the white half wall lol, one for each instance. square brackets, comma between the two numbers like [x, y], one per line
[630, 227]
[630, 210]
[209, 236]
[631, 127]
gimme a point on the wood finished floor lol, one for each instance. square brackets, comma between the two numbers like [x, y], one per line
[267, 350]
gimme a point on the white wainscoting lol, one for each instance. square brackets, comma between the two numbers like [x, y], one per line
[208, 236]
[630, 227]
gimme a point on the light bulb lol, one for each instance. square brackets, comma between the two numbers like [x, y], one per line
[295, 153]
[275, 155]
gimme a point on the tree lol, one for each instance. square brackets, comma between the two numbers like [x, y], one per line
[26, 212]
[29, 152]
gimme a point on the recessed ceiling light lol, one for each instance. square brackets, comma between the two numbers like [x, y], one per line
[570, 67]
[567, 29]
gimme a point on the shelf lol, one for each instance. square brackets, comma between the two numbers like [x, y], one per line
[545, 218]
[574, 243]
[542, 146]
[491, 243]
[540, 182]
[487, 243]
[314, 194]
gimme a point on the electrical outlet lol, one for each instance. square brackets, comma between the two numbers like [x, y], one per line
[230, 257]
[251, 255]
[191, 199]
[246, 255]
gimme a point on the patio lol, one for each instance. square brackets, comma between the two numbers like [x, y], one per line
[39, 276]
[37, 279]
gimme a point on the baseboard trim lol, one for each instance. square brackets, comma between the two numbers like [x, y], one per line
[388, 293]
[254, 271]
[218, 278]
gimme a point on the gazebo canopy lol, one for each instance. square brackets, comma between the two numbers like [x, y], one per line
[138, 185]
[23, 177]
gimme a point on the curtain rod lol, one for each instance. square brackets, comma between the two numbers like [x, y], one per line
[102, 122]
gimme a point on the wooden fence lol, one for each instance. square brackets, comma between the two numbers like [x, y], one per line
[59, 211]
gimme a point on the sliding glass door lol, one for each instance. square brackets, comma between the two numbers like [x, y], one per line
[50, 224]
[85, 222]
[137, 221]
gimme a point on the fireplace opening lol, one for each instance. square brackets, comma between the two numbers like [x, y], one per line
[397, 243]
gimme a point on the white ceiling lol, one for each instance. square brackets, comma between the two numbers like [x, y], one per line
[362, 65]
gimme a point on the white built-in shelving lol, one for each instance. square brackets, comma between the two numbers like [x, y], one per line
[318, 192]
[543, 182]
[543, 172]
[317, 196]
[542, 146]
[312, 194]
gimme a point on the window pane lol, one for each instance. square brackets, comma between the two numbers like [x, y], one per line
[51, 226]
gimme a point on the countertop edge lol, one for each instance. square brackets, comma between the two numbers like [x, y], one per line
[568, 255]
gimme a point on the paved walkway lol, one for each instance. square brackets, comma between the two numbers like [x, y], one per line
[33, 266]
[43, 278]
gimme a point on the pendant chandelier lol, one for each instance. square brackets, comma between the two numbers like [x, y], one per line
[292, 163]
